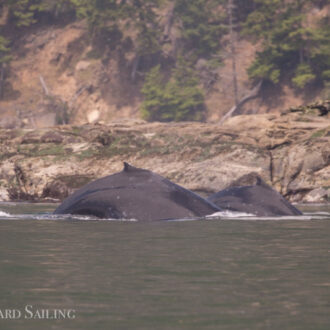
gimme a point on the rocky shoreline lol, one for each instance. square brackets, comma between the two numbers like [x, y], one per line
[290, 151]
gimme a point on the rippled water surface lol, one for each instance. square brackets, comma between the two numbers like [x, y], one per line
[225, 272]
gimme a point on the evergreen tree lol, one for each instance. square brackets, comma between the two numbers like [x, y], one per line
[108, 18]
[4, 59]
[187, 96]
[201, 25]
[22, 12]
[319, 51]
[152, 91]
[4, 50]
[290, 48]
[145, 19]
[180, 99]
[101, 15]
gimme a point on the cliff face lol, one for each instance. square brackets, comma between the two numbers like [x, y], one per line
[56, 76]
[291, 151]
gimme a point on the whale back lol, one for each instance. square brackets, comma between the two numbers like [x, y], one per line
[259, 199]
[136, 193]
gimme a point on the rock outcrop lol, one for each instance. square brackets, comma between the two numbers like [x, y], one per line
[290, 151]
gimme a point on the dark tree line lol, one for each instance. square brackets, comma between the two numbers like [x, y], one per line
[194, 30]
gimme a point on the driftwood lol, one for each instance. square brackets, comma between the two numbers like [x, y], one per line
[43, 84]
[2, 79]
[80, 90]
[254, 92]
[136, 63]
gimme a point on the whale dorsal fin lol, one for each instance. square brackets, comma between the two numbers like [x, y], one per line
[129, 168]
[132, 169]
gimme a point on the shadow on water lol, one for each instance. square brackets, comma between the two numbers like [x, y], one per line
[165, 275]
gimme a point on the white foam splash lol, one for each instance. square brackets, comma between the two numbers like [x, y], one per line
[51, 216]
[4, 214]
[223, 215]
[229, 214]
[75, 217]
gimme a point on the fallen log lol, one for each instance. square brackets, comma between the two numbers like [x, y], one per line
[253, 93]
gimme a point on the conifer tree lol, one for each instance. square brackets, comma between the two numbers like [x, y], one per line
[4, 50]
[179, 99]
[201, 26]
[143, 14]
[22, 12]
[100, 14]
[290, 48]
[4, 59]
[152, 91]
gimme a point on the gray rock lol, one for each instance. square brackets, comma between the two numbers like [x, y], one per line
[319, 195]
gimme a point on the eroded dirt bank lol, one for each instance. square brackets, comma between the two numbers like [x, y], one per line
[291, 151]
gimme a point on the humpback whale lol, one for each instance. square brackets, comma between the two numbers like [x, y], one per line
[259, 199]
[136, 193]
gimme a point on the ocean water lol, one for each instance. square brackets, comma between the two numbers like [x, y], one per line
[229, 271]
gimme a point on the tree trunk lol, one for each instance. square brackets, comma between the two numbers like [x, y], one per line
[254, 92]
[136, 63]
[169, 22]
[2, 79]
[231, 6]
[43, 84]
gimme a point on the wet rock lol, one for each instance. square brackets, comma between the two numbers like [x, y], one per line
[319, 195]
[62, 186]
[30, 138]
[8, 122]
[105, 138]
[250, 179]
[51, 137]
[55, 190]
[4, 195]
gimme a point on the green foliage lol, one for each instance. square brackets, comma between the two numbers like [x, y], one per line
[262, 19]
[103, 16]
[141, 14]
[5, 58]
[319, 50]
[22, 12]
[303, 75]
[148, 40]
[202, 26]
[290, 48]
[4, 50]
[242, 9]
[153, 93]
[179, 99]
[100, 14]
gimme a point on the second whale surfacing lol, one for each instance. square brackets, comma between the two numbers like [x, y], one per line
[257, 198]
[136, 193]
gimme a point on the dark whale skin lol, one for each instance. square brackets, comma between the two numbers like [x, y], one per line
[136, 193]
[259, 199]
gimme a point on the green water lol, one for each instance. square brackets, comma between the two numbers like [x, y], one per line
[212, 274]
